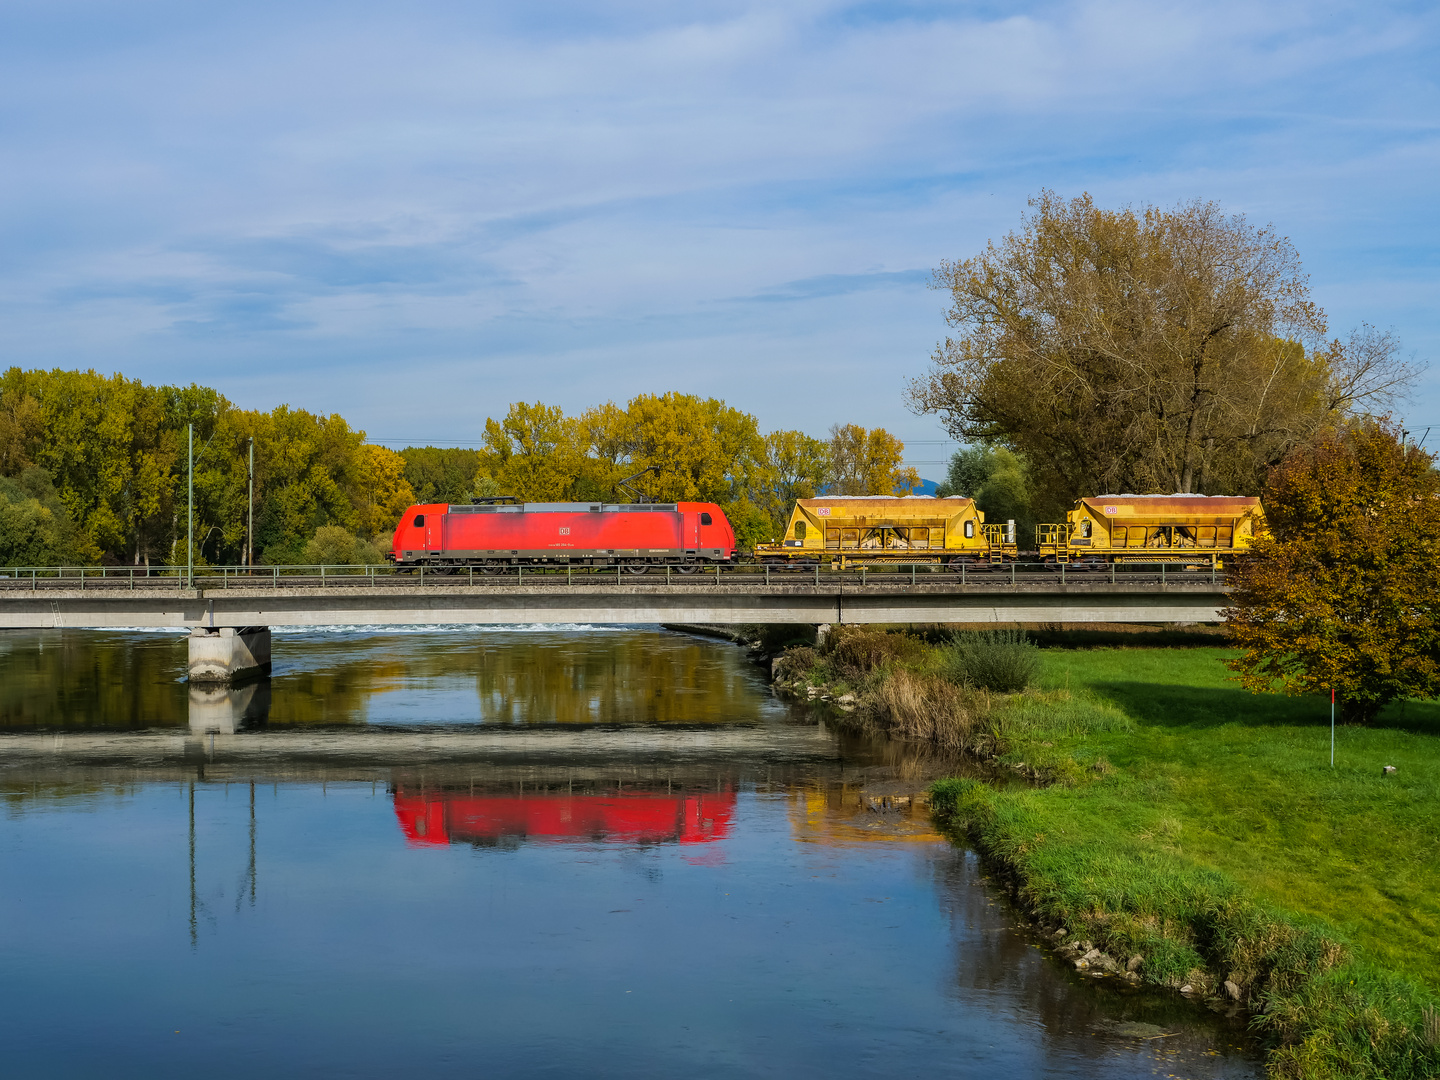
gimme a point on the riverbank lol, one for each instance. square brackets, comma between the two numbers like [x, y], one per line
[1187, 834]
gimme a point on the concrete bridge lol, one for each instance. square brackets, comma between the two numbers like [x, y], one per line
[225, 611]
[737, 598]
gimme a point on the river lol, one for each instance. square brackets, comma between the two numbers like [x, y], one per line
[557, 851]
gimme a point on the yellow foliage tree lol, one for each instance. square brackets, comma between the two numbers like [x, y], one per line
[868, 462]
[793, 466]
[535, 454]
[697, 449]
[382, 492]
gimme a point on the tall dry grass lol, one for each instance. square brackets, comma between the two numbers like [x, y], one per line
[929, 708]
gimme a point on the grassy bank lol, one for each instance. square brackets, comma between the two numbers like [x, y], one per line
[1201, 829]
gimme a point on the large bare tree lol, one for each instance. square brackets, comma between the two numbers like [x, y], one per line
[1158, 350]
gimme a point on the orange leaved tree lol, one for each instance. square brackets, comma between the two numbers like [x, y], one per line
[1345, 592]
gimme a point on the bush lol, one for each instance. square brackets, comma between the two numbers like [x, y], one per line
[856, 651]
[800, 659]
[1001, 660]
[926, 708]
[335, 546]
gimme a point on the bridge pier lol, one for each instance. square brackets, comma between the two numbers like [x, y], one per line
[227, 654]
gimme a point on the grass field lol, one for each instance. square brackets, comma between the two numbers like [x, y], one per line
[1203, 828]
[1243, 783]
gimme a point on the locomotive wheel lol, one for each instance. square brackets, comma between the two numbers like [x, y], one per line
[687, 568]
[492, 568]
[636, 568]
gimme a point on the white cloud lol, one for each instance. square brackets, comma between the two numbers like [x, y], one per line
[265, 197]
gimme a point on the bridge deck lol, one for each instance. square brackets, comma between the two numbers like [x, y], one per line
[734, 598]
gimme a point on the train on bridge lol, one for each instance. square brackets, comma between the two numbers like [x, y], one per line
[1196, 530]
[842, 531]
[494, 534]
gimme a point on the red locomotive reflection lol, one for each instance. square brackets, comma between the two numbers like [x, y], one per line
[442, 817]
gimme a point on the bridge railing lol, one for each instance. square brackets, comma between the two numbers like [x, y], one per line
[1159, 572]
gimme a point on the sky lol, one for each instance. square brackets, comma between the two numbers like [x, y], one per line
[415, 214]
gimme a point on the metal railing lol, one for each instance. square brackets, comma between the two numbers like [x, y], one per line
[1012, 573]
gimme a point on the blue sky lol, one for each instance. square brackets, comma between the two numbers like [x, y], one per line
[414, 214]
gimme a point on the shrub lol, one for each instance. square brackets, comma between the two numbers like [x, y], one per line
[801, 658]
[927, 708]
[1001, 660]
[856, 651]
[335, 546]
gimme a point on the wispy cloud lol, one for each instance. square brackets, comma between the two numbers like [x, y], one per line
[418, 213]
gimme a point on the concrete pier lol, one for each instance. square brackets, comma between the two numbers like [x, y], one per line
[226, 654]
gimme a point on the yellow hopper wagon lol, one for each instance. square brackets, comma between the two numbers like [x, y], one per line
[1198, 530]
[873, 530]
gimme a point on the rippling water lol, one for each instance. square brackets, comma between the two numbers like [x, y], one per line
[577, 851]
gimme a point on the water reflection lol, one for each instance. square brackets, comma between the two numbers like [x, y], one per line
[600, 879]
[615, 817]
[80, 679]
[224, 710]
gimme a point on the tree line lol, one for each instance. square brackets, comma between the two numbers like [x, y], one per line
[93, 470]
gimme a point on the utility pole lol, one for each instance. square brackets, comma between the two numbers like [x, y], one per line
[190, 509]
[250, 527]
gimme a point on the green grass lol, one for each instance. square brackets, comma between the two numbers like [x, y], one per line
[1243, 783]
[1204, 829]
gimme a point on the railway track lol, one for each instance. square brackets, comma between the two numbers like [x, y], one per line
[1024, 576]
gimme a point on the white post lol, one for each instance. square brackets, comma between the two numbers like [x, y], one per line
[190, 509]
[250, 526]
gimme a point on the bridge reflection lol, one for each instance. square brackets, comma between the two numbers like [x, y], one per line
[503, 820]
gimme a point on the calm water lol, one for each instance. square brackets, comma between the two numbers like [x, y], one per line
[571, 851]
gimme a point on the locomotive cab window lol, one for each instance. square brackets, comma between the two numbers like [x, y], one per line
[419, 520]
[970, 529]
[800, 530]
[1085, 527]
[705, 519]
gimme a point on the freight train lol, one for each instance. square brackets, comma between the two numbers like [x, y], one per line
[840, 530]
[1198, 530]
[872, 530]
[492, 535]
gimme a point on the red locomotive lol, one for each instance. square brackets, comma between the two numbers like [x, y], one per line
[493, 534]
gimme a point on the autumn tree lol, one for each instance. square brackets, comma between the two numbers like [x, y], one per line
[21, 424]
[381, 491]
[35, 529]
[998, 479]
[868, 463]
[792, 466]
[695, 448]
[441, 474]
[1344, 593]
[534, 453]
[1150, 350]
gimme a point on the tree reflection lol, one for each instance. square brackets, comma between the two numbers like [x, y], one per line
[615, 679]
